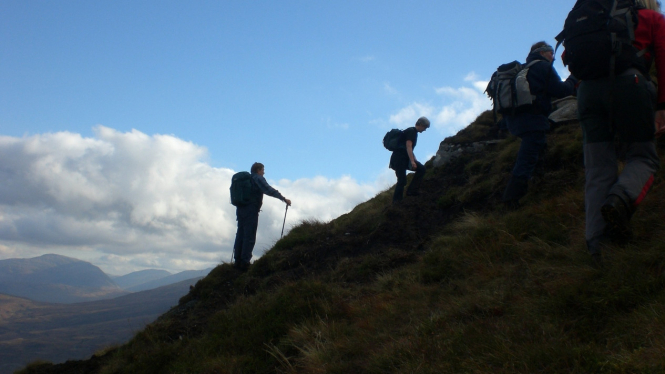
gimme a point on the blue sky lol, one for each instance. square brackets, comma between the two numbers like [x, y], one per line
[309, 88]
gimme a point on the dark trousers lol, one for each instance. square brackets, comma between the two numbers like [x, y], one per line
[248, 223]
[414, 187]
[531, 148]
[620, 110]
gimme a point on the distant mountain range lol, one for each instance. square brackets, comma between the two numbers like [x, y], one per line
[58, 279]
[169, 279]
[57, 332]
[55, 308]
[139, 277]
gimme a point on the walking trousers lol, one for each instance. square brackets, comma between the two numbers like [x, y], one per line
[623, 112]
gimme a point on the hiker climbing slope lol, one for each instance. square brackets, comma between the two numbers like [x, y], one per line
[403, 159]
[529, 122]
[247, 192]
[616, 102]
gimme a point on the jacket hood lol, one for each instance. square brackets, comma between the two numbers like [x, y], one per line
[533, 56]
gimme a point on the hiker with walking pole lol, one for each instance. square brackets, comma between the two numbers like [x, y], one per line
[247, 190]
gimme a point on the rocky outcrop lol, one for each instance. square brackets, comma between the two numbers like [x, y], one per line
[565, 111]
[448, 152]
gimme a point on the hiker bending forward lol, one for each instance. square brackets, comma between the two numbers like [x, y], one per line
[531, 124]
[623, 108]
[248, 216]
[403, 159]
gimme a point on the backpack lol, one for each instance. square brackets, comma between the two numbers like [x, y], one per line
[598, 36]
[394, 140]
[509, 89]
[241, 188]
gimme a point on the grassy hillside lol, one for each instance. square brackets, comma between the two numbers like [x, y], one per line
[446, 282]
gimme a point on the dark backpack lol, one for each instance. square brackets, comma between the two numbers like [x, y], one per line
[598, 36]
[509, 89]
[394, 140]
[241, 188]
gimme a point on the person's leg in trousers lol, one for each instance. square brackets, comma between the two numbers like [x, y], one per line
[401, 183]
[249, 233]
[634, 118]
[637, 175]
[240, 234]
[414, 187]
[532, 145]
[600, 171]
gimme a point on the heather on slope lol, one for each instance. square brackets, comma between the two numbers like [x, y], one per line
[447, 282]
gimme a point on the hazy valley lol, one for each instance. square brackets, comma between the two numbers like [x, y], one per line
[42, 316]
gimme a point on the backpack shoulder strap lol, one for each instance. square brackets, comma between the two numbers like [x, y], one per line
[530, 64]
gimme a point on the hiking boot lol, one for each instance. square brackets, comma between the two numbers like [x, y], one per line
[515, 190]
[616, 215]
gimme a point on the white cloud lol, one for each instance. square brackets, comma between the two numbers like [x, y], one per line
[456, 109]
[335, 125]
[389, 89]
[471, 77]
[128, 201]
[407, 116]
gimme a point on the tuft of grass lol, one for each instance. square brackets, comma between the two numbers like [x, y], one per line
[365, 217]
[306, 231]
[450, 198]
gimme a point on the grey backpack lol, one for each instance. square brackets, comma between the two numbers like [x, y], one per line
[509, 89]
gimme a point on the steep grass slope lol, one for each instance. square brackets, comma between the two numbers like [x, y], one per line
[446, 282]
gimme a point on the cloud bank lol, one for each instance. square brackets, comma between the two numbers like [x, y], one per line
[128, 201]
[457, 107]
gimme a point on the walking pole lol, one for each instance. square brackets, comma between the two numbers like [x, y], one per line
[287, 209]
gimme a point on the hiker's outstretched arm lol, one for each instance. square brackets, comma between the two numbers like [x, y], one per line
[558, 88]
[267, 189]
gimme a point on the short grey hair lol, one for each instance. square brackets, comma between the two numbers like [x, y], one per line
[423, 122]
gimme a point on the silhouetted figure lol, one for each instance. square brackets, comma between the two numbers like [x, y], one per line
[248, 216]
[531, 123]
[403, 159]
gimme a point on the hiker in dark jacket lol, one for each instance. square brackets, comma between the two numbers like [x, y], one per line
[629, 115]
[531, 124]
[248, 217]
[403, 159]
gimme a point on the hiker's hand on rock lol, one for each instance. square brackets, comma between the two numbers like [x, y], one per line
[288, 202]
[660, 122]
[413, 165]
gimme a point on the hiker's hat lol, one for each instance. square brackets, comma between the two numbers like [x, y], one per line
[545, 48]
